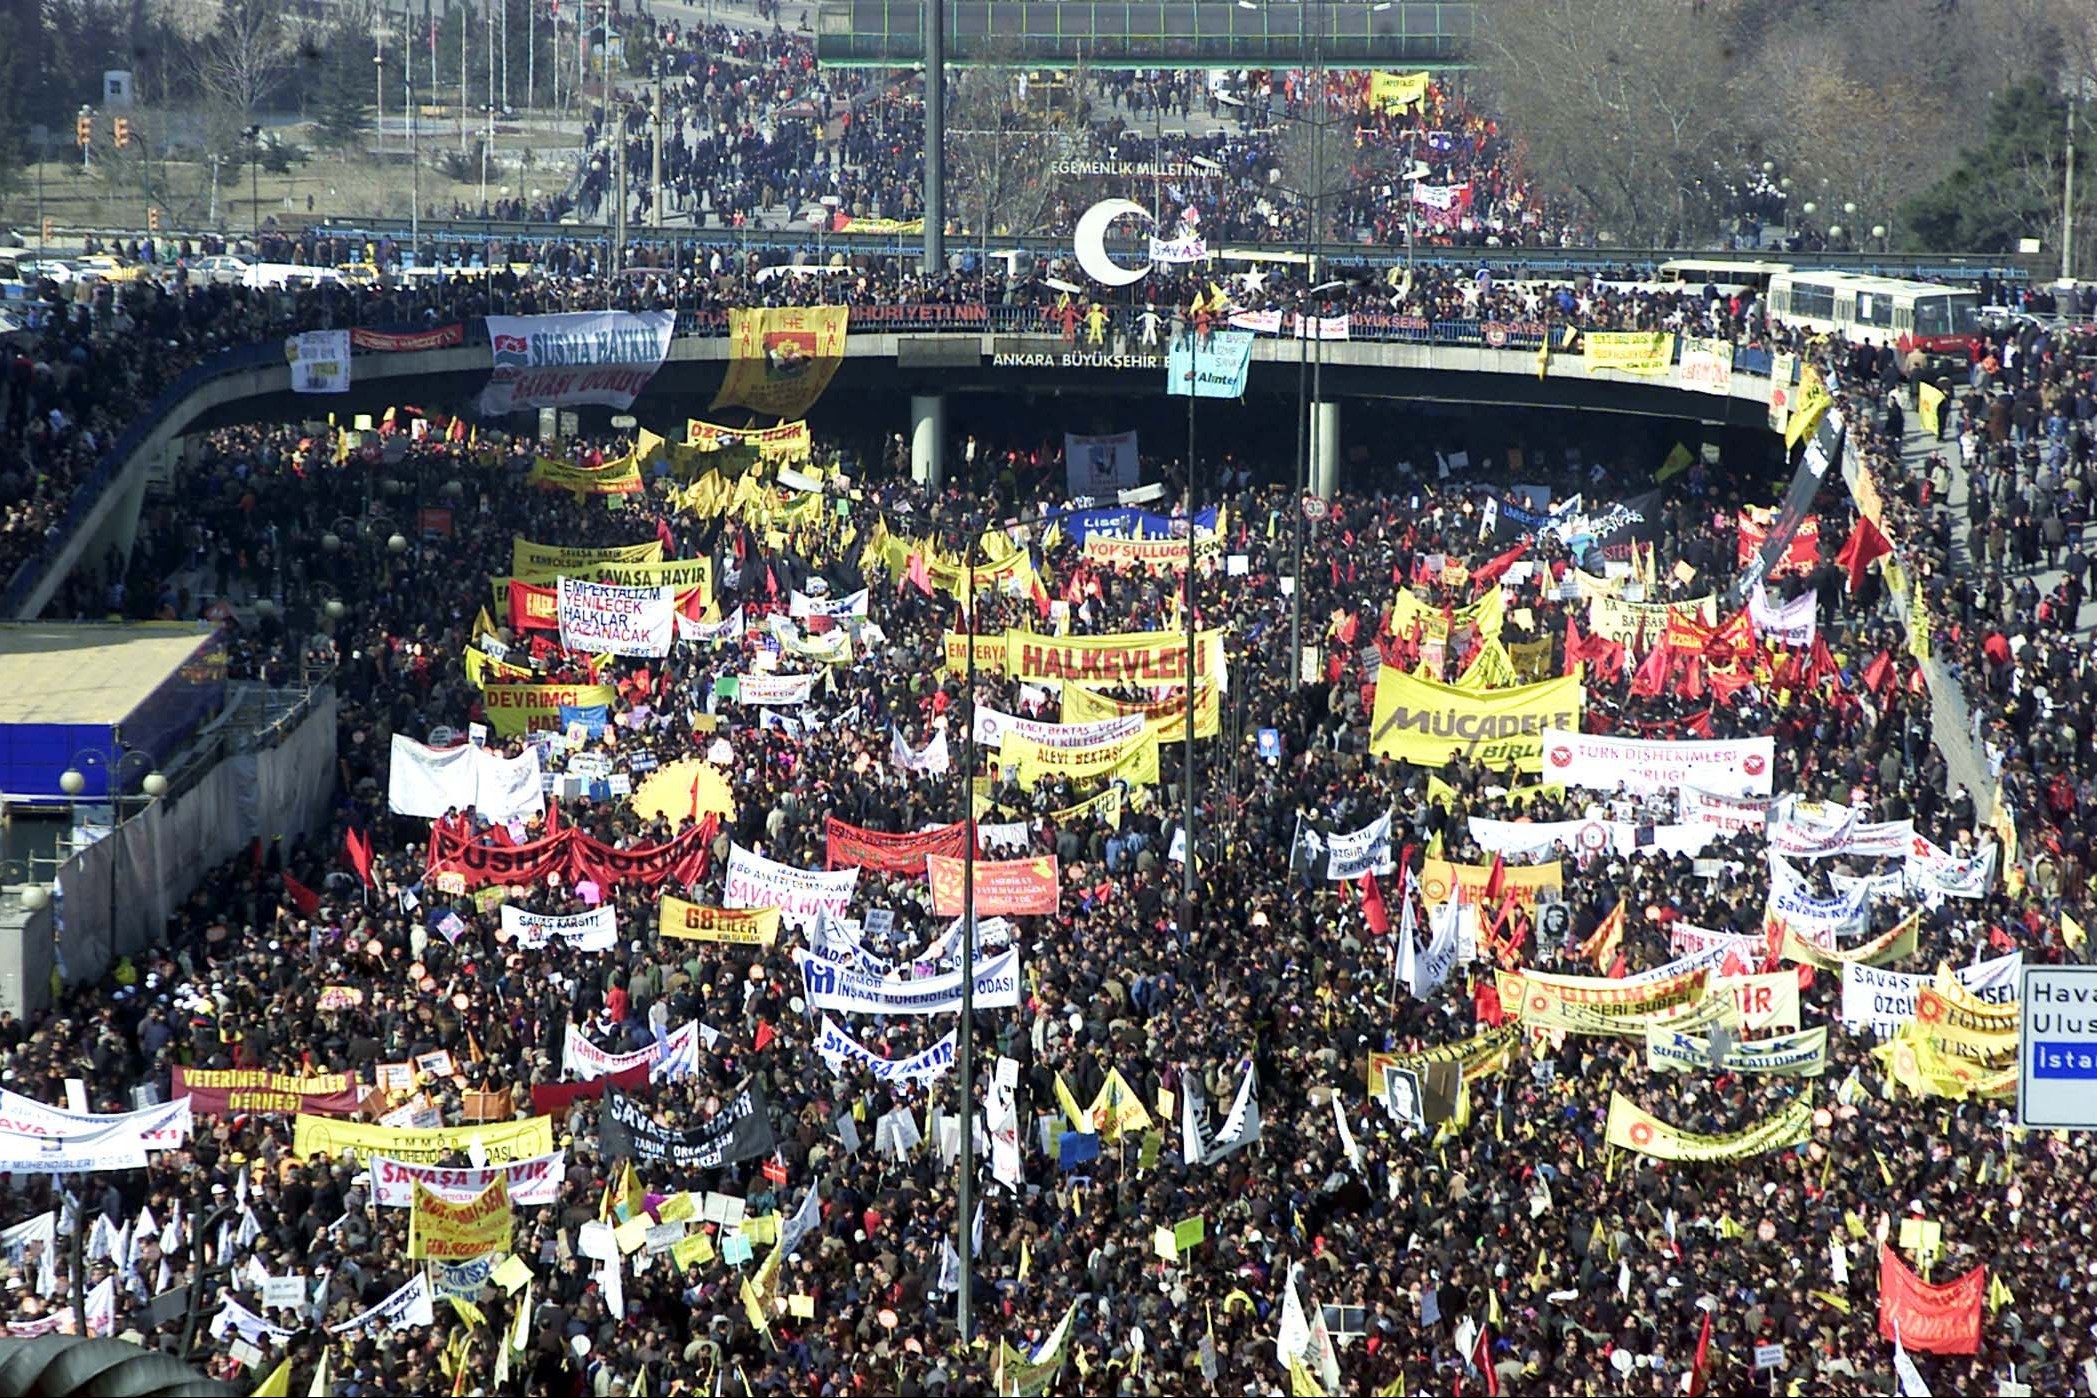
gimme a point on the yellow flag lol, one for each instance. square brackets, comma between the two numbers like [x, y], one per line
[468, 1312]
[278, 1384]
[521, 1331]
[1079, 1120]
[1998, 1293]
[1301, 1383]
[1808, 408]
[2072, 933]
[320, 1378]
[1829, 1298]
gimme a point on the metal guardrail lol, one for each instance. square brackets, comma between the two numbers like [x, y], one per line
[933, 319]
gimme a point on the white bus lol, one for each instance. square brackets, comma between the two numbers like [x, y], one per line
[1938, 320]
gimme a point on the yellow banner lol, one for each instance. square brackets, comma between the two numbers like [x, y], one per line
[1481, 1048]
[1166, 718]
[1488, 615]
[440, 1231]
[990, 653]
[1929, 404]
[1156, 555]
[1542, 1008]
[1133, 759]
[781, 358]
[529, 560]
[504, 1141]
[695, 922]
[1532, 660]
[1891, 945]
[621, 477]
[1643, 625]
[480, 667]
[1633, 1128]
[1808, 406]
[1969, 1027]
[1629, 351]
[520, 708]
[1106, 807]
[1133, 657]
[789, 441]
[1535, 994]
[1395, 91]
[1441, 880]
[1422, 722]
[1913, 1060]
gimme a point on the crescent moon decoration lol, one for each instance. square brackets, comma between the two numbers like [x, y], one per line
[1090, 242]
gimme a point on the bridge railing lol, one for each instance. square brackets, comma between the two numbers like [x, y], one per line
[1123, 323]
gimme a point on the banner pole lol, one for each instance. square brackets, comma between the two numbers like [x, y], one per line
[965, 1158]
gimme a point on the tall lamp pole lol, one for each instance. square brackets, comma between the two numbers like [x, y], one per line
[935, 135]
[967, 1156]
[1187, 604]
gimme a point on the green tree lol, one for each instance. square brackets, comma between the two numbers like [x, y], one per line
[342, 87]
[2009, 186]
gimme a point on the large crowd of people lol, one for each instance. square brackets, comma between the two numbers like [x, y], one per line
[1182, 1049]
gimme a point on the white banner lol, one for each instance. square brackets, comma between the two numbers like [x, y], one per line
[1688, 939]
[1322, 327]
[533, 1181]
[320, 361]
[1793, 624]
[1729, 815]
[1100, 465]
[673, 1057]
[164, 1127]
[1364, 851]
[992, 726]
[427, 782]
[119, 1148]
[728, 628]
[1706, 365]
[1937, 873]
[800, 605]
[779, 691]
[563, 361]
[1840, 832]
[1766, 1001]
[1522, 839]
[406, 1309]
[839, 1048]
[600, 617]
[754, 881]
[932, 761]
[1885, 1000]
[829, 986]
[1736, 767]
[1795, 1055]
[1442, 197]
[1822, 921]
[595, 930]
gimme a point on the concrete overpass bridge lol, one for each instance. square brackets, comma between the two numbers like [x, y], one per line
[927, 356]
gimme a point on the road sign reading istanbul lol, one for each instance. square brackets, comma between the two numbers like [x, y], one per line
[2057, 1048]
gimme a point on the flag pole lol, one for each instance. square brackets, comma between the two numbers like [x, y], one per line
[966, 1157]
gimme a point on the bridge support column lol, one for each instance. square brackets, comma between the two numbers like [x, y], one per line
[1325, 449]
[928, 439]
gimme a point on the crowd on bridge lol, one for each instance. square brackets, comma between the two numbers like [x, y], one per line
[714, 1187]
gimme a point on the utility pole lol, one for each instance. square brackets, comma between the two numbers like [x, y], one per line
[935, 135]
[2068, 200]
[505, 55]
[965, 1186]
[531, 53]
[1187, 604]
[414, 164]
[655, 205]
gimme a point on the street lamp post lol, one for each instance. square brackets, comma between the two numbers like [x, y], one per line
[73, 781]
[254, 134]
[966, 1158]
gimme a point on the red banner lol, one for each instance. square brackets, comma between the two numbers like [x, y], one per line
[534, 608]
[1941, 1319]
[231, 1092]
[555, 1098]
[573, 855]
[1009, 887]
[443, 337]
[1800, 557]
[849, 845]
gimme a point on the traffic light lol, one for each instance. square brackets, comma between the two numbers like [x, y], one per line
[123, 132]
[84, 130]
[152, 218]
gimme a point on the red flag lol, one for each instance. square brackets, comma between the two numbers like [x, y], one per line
[1040, 595]
[1879, 673]
[1495, 881]
[302, 897]
[1488, 572]
[1372, 906]
[919, 574]
[663, 535]
[1699, 1367]
[765, 1035]
[1573, 644]
[1482, 1356]
[358, 846]
[1485, 1004]
[255, 854]
[1866, 544]
[1651, 679]
[774, 1170]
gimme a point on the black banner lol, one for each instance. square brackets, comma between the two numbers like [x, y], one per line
[1616, 527]
[741, 1130]
[1823, 453]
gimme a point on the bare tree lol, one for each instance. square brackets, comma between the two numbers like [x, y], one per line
[1630, 106]
[240, 60]
[1006, 132]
